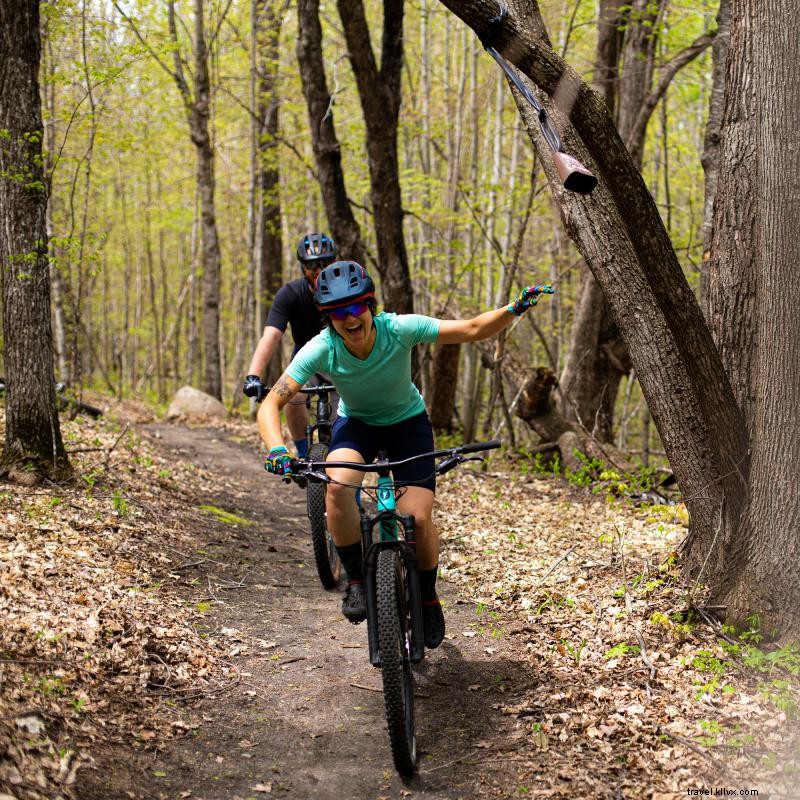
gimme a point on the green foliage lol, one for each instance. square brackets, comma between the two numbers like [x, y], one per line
[576, 651]
[120, 504]
[620, 650]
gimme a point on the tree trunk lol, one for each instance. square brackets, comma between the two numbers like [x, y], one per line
[760, 575]
[379, 92]
[199, 115]
[33, 448]
[269, 239]
[443, 397]
[731, 264]
[327, 153]
[711, 141]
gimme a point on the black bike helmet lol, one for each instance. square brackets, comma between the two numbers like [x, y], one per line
[314, 247]
[342, 283]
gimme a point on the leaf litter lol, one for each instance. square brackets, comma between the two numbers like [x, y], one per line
[634, 693]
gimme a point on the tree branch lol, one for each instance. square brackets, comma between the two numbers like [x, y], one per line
[668, 72]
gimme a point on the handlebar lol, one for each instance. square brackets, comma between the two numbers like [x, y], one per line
[452, 457]
[323, 387]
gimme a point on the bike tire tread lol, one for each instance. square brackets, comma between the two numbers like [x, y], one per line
[394, 672]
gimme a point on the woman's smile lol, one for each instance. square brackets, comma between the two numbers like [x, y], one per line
[357, 332]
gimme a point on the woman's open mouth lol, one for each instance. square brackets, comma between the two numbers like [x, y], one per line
[354, 329]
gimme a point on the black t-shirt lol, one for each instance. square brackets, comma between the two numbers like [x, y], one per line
[294, 305]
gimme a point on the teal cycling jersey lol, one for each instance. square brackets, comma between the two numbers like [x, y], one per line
[377, 389]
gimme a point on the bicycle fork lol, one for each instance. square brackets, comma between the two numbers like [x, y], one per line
[389, 521]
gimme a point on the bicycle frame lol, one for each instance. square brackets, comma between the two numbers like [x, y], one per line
[389, 521]
[322, 424]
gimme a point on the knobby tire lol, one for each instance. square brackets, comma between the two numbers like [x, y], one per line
[394, 643]
[329, 568]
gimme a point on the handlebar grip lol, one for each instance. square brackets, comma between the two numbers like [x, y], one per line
[476, 446]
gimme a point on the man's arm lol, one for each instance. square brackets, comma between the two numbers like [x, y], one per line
[264, 351]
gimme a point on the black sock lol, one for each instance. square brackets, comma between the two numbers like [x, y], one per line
[350, 556]
[427, 584]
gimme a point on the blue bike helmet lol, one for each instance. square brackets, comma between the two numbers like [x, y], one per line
[342, 283]
[314, 248]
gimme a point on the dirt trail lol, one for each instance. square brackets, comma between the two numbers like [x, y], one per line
[306, 718]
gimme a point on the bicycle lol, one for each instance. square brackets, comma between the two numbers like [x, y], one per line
[326, 559]
[394, 609]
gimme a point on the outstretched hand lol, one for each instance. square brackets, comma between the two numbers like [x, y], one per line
[528, 297]
[279, 462]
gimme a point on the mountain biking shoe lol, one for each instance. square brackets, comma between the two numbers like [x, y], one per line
[433, 622]
[354, 603]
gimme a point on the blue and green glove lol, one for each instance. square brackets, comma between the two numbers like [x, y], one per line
[528, 297]
[279, 462]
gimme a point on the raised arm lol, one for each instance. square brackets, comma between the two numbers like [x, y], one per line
[455, 331]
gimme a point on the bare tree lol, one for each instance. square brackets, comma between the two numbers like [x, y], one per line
[195, 92]
[379, 91]
[327, 152]
[33, 448]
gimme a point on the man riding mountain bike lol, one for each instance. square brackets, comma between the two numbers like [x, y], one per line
[293, 305]
[367, 356]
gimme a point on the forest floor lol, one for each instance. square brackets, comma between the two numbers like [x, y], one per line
[163, 635]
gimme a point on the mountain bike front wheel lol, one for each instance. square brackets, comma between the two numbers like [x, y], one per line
[394, 641]
[329, 568]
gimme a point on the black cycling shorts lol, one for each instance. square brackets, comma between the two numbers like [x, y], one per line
[401, 440]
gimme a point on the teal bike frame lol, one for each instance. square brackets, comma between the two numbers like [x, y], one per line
[386, 502]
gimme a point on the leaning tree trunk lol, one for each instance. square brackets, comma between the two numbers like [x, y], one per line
[33, 448]
[379, 92]
[327, 152]
[619, 232]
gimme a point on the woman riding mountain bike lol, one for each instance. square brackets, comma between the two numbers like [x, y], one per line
[367, 357]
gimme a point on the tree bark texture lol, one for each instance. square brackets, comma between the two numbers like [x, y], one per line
[711, 141]
[327, 153]
[597, 358]
[619, 232]
[768, 547]
[269, 256]
[199, 116]
[33, 448]
[379, 92]
[731, 266]
[443, 396]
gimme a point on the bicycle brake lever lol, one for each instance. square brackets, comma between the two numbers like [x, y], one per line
[449, 463]
[321, 477]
